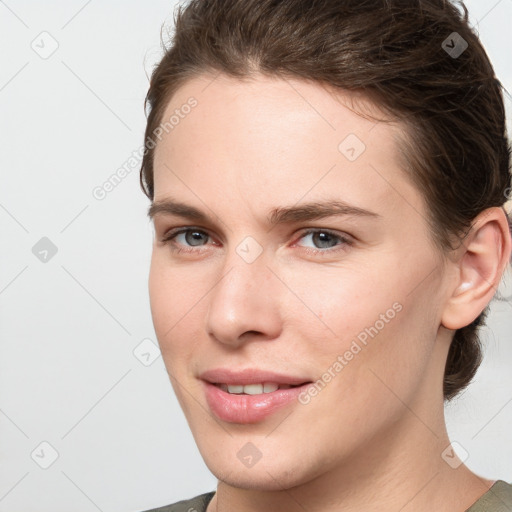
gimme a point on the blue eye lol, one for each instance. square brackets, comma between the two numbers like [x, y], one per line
[327, 238]
[328, 241]
[192, 235]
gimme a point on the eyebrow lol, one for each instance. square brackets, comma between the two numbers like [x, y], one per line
[280, 215]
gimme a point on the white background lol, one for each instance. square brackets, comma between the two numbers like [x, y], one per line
[69, 327]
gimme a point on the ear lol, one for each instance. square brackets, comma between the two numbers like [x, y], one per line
[480, 263]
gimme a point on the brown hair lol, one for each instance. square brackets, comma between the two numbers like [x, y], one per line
[409, 57]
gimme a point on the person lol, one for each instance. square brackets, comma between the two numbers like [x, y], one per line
[328, 183]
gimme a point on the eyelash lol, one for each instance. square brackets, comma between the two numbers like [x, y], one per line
[171, 235]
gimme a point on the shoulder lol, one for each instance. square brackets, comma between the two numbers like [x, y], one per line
[196, 504]
[497, 499]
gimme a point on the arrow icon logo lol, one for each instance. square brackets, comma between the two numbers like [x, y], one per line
[454, 45]
[44, 250]
[249, 455]
[146, 352]
[44, 455]
[249, 245]
[351, 147]
[451, 457]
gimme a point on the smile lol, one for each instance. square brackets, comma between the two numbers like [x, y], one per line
[253, 389]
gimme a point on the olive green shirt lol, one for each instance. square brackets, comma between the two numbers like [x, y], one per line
[497, 499]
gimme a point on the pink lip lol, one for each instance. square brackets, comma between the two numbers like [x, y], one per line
[249, 376]
[241, 408]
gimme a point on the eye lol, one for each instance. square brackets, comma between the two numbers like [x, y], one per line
[190, 238]
[326, 240]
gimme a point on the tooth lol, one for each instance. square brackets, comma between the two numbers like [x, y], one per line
[235, 388]
[268, 387]
[253, 389]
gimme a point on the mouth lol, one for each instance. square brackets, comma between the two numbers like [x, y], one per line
[255, 389]
[250, 396]
[249, 380]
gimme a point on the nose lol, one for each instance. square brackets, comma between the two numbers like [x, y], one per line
[244, 303]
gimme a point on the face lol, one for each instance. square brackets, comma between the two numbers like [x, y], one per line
[251, 286]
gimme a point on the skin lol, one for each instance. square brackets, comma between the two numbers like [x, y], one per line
[372, 439]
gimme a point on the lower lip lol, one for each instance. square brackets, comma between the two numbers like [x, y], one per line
[248, 408]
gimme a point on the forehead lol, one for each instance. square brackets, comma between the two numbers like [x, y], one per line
[289, 137]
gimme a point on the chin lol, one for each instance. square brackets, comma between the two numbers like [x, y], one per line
[257, 479]
[268, 474]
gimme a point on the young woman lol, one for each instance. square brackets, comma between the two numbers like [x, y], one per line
[328, 182]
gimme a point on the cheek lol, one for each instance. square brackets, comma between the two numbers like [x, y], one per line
[336, 305]
[158, 297]
[396, 343]
[369, 324]
[173, 301]
[179, 304]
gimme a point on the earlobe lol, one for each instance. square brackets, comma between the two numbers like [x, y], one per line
[484, 255]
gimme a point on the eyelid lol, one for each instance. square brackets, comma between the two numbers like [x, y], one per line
[170, 234]
[345, 239]
[341, 235]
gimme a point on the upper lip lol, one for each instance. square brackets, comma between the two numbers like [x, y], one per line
[249, 376]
